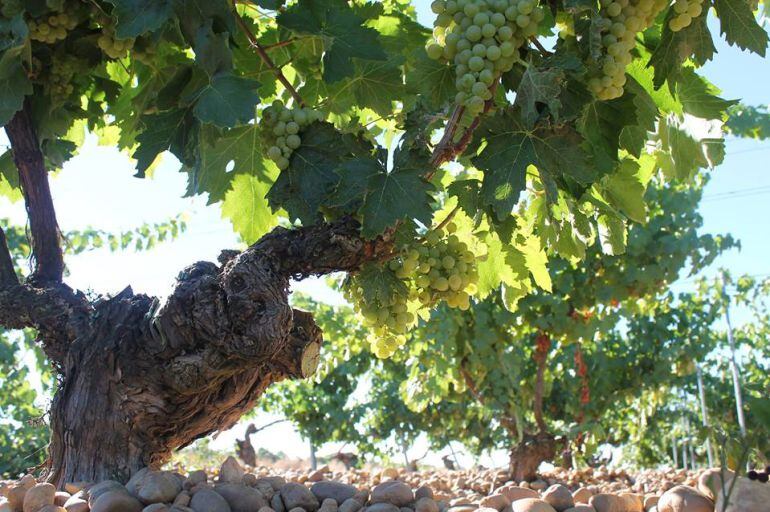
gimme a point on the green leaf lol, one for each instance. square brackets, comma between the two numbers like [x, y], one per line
[13, 77]
[377, 85]
[602, 124]
[511, 148]
[634, 136]
[433, 80]
[675, 47]
[539, 86]
[161, 132]
[467, 194]
[343, 32]
[311, 177]
[354, 176]
[740, 27]
[135, 17]
[612, 234]
[246, 206]
[699, 97]
[212, 50]
[227, 100]
[625, 188]
[400, 194]
[536, 261]
[240, 147]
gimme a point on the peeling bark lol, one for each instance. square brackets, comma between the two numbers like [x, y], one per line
[527, 456]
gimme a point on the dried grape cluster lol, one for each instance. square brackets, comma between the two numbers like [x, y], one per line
[440, 269]
[621, 21]
[481, 38]
[280, 130]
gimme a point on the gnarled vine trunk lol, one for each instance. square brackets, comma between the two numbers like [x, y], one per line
[527, 456]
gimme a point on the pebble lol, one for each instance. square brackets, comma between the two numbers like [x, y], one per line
[603, 502]
[156, 507]
[337, 491]
[650, 501]
[634, 502]
[496, 501]
[241, 498]
[207, 500]
[297, 495]
[559, 497]
[582, 495]
[581, 508]
[710, 481]
[76, 503]
[157, 487]
[685, 499]
[518, 493]
[531, 505]
[746, 495]
[116, 501]
[424, 491]
[60, 498]
[106, 486]
[52, 508]
[231, 472]
[426, 505]
[350, 505]
[38, 496]
[382, 507]
[394, 492]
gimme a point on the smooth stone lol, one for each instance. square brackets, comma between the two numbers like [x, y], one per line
[38, 496]
[746, 495]
[558, 497]
[52, 508]
[76, 503]
[276, 482]
[116, 501]
[135, 480]
[60, 498]
[337, 491]
[350, 505]
[518, 493]
[276, 503]
[426, 505]
[496, 501]
[394, 492]
[16, 497]
[195, 478]
[382, 507]
[607, 503]
[266, 509]
[157, 487]
[650, 501]
[424, 491]
[5, 506]
[156, 507]
[231, 472]
[206, 500]
[581, 508]
[241, 498]
[531, 505]
[582, 495]
[710, 481]
[297, 495]
[684, 499]
[634, 502]
[103, 487]
[538, 485]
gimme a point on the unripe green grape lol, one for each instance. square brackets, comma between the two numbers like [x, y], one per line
[488, 30]
[614, 9]
[481, 19]
[498, 20]
[522, 20]
[694, 10]
[476, 63]
[511, 13]
[274, 153]
[493, 53]
[293, 141]
[479, 50]
[279, 129]
[475, 105]
[473, 33]
[463, 44]
[471, 10]
[438, 6]
[434, 51]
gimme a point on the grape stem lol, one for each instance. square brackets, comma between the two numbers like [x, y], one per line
[266, 58]
[280, 44]
[540, 47]
[447, 219]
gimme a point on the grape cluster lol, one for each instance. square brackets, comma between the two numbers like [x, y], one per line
[60, 80]
[481, 38]
[620, 21]
[441, 269]
[113, 47]
[686, 11]
[280, 130]
[52, 28]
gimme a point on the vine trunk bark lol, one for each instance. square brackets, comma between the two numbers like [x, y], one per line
[527, 456]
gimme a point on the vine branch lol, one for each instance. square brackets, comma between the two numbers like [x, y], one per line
[543, 345]
[266, 58]
[45, 236]
[540, 47]
[7, 273]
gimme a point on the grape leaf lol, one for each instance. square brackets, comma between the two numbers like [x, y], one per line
[246, 206]
[13, 78]
[625, 188]
[602, 124]
[135, 17]
[634, 136]
[539, 86]
[227, 100]
[354, 180]
[212, 50]
[432, 79]
[675, 47]
[612, 234]
[343, 33]
[467, 194]
[699, 97]
[377, 85]
[312, 174]
[399, 194]
[511, 148]
[162, 131]
[739, 25]
[536, 260]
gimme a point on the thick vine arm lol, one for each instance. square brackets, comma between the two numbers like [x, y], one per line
[46, 239]
[8, 275]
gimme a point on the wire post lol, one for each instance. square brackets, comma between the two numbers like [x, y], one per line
[734, 363]
[704, 413]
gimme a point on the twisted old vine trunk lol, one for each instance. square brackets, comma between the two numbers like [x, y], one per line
[139, 378]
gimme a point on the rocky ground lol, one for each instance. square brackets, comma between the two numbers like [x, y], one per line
[265, 489]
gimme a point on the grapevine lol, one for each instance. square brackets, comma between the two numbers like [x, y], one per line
[482, 39]
[62, 72]
[282, 125]
[621, 21]
[52, 28]
[686, 11]
[439, 269]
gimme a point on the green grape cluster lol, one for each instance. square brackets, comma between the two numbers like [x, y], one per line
[442, 268]
[113, 47]
[280, 130]
[52, 28]
[60, 80]
[481, 38]
[686, 11]
[621, 21]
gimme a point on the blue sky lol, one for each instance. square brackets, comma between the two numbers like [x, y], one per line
[97, 189]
